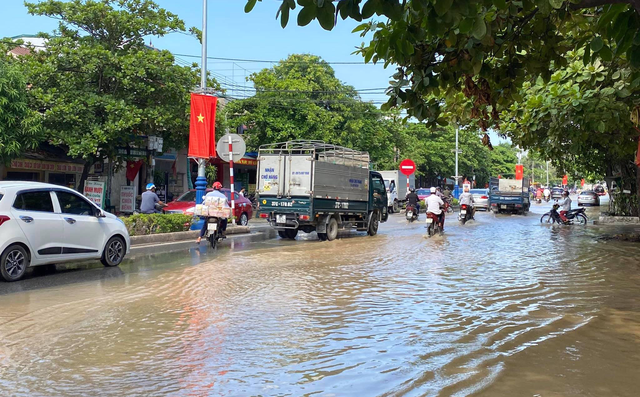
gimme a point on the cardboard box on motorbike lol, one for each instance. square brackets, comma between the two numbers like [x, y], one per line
[213, 206]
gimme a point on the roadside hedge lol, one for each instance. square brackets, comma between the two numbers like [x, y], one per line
[143, 224]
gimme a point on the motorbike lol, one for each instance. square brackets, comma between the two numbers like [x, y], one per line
[213, 233]
[466, 213]
[411, 213]
[433, 224]
[447, 205]
[553, 216]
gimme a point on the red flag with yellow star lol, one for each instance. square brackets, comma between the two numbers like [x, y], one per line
[202, 129]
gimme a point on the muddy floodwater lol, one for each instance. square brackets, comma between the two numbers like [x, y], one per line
[499, 307]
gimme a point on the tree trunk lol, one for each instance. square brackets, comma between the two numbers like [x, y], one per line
[638, 188]
[85, 174]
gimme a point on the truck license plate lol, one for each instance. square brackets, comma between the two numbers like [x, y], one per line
[281, 219]
[429, 220]
[212, 227]
[463, 212]
[504, 207]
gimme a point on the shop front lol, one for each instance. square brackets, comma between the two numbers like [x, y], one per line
[64, 173]
[244, 171]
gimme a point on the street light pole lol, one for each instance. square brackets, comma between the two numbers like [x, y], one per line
[201, 180]
[547, 173]
[456, 190]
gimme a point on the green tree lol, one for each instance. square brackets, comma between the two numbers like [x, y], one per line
[20, 127]
[485, 49]
[99, 86]
[579, 120]
[503, 160]
[432, 150]
[300, 98]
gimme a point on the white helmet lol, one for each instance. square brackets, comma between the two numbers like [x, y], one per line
[433, 190]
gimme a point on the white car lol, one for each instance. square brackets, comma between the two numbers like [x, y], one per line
[42, 224]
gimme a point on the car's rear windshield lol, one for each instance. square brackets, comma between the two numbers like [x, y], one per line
[478, 191]
[589, 193]
[188, 196]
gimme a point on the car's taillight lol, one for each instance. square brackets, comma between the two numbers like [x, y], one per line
[484, 197]
[263, 215]
[3, 219]
[304, 217]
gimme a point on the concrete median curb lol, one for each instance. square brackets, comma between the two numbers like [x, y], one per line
[180, 236]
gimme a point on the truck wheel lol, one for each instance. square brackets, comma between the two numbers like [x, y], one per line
[282, 233]
[373, 225]
[322, 236]
[332, 229]
[395, 207]
[291, 233]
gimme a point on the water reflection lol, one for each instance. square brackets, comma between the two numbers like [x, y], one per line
[500, 306]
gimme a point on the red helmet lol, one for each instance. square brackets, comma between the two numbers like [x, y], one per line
[217, 185]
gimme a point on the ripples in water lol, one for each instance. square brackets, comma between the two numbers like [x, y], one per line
[396, 314]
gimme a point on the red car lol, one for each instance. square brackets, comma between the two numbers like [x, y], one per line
[186, 203]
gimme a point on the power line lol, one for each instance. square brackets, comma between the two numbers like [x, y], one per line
[269, 61]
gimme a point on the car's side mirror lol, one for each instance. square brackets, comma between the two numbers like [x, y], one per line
[100, 214]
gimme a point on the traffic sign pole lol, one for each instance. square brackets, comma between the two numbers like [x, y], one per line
[407, 168]
[233, 198]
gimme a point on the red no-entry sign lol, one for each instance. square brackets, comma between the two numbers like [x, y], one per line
[407, 167]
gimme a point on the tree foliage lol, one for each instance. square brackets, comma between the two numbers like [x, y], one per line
[579, 119]
[20, 127]
[432, 149]
[300, 98]
[485, 49]
[99, 86]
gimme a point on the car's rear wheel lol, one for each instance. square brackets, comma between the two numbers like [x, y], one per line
[113, 252]
[244, 219]
[282, 233]
[14, 262]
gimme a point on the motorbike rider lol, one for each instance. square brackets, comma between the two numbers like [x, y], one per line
[223, 222]
[547, 193]
[466, 198]
[565, 206]
[439, 193]
[149, 201]
[413, 199]
[434, 202]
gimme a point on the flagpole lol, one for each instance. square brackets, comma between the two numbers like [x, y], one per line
[201, 180]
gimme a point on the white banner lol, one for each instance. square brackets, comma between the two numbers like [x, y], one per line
[127, 199]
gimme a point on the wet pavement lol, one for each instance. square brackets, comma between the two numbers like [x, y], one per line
[502, 306]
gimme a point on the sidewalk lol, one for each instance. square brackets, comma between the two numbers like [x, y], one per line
[170, 242]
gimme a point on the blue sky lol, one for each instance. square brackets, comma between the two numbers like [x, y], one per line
[234, 34]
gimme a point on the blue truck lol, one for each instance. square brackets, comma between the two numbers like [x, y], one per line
[509, 195]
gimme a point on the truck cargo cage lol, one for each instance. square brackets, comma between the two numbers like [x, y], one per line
[320, 151]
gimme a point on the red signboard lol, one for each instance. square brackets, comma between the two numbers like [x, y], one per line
[407, 167]
[565, 180]
[519, 171]
[202, 129]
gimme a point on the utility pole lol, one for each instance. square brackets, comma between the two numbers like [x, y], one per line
[201, 180]
[547, 173]
[456, 189]
[533, 173]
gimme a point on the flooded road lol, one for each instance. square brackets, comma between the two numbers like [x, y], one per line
[499, 307]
